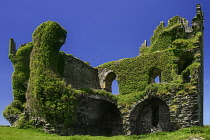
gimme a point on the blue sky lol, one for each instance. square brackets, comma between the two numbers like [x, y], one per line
[99, 31]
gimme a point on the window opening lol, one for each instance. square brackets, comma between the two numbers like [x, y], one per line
[157, 79]
[155, 76]
[184, 61]
[115, 87]
[111, 83]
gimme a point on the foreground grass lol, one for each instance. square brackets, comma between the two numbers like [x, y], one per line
[9, 133]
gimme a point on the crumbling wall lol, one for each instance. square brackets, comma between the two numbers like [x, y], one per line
[79, 74]
[176, 57]
[62, 94]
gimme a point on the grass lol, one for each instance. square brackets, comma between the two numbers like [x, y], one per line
[10, 133]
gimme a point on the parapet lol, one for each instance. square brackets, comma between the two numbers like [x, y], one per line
[177, 28]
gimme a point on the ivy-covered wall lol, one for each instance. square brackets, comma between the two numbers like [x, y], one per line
[62, 94]
[176, 57]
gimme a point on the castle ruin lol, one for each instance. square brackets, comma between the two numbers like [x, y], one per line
[62, 94]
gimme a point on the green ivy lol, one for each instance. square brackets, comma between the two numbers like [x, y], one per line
[39, 70]
[168, 45]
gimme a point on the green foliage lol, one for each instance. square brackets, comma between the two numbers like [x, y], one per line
[133, 74]
[163, 39]
[12, 110]
[21, 74]
[49, 34]
[39, 69]
[23, 122]
[9, 133]
[98, 92]
[182, 45]
[169, 47]
[50, 98]
[61, 63]
[20, 78]
[174, 20]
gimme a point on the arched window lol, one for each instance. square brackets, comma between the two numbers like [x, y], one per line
[155, 76]
[111, 84]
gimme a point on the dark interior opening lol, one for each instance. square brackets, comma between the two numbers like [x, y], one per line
[186, 77]
[151, 115]
[97, 118]
[155, 76]
[155, 115]
[185, 60]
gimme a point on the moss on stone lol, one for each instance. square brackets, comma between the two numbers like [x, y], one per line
[22, 72]
[169, 46]
[40, 90]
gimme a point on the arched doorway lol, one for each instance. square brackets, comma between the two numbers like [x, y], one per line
[151, 115]
[97, 117]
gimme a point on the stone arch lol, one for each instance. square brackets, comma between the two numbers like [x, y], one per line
[154, 73]
[108, 81]
[106, 77]
[150, 115]
[97, 116]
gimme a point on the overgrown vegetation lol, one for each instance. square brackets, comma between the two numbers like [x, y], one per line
[39, 70]
[49, 97]
[171, 52]
[19, 79]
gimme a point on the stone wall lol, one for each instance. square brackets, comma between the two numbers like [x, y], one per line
[142, 106]
[79, 74]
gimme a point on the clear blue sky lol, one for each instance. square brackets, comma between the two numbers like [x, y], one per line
[99, 31]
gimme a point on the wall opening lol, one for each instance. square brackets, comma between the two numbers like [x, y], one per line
[111, 82]
[157, 79]
[155, 76]
[186, 76]
[151, 115]
[185, 60]
[115, 87]
[97, 117]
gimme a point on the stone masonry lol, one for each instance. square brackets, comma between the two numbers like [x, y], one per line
[173, 103]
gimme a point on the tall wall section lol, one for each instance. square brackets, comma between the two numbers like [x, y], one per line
[79, 74]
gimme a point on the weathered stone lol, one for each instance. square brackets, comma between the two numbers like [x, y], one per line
[173, 103]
